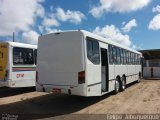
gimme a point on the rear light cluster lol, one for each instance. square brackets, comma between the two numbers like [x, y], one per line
[56, 90]
[7, 74]
[81, 77]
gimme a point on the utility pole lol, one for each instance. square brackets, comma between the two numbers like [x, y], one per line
[13, 36]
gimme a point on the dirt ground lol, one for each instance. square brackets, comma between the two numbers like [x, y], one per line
[138, 98]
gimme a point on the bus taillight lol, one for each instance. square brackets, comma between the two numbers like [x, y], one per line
[36, 76]
[81, 77]
[7, 74]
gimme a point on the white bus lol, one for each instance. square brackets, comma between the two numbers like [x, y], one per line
[17, 64]
[82, 63]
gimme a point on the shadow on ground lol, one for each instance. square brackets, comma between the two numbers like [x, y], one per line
[152, 79]
[7, 92]
[48, 105]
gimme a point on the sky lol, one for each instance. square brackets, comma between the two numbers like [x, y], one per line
[133, 23]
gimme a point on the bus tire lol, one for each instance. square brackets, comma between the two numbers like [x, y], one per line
[123, 84]
[139, 78]
[117, 84]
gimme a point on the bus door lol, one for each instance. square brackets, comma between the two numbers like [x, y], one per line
[3, 60]
[104, 70]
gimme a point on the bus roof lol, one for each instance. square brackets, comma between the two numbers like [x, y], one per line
[17, 44]
[99, 38]
[105, 40]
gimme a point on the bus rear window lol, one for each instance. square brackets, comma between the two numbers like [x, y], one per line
[93, 51]
[35, 56]
[22, 56]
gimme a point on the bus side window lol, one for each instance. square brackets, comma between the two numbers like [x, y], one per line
[124, 56]
[139, 59]
[93, 51]
[35, 57]
[118, 56]
[110, 54]
[131, 58]
[114, 55]
[121, 51]
[127, 57]
[134, 58]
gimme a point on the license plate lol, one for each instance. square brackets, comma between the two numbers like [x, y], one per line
[56, 90]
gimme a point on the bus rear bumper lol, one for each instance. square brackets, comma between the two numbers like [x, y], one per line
[71, 90]
[5, 83]
[17, 83]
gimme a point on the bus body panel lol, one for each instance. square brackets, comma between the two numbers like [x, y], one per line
[120, 70]
[131, 76]
[111, 72]
[24, 77]
[93, 78]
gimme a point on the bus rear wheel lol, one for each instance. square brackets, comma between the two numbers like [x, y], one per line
[123, 84]
[117, 88]
[139, 78]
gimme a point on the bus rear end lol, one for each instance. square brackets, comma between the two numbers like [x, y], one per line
[60, 66]
[4, 72]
